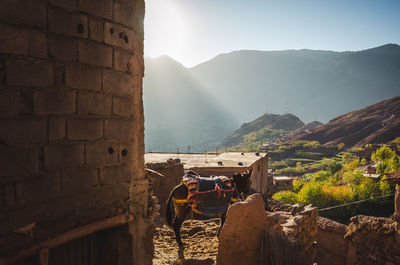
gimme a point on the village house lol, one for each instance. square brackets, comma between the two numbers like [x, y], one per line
[223, 164]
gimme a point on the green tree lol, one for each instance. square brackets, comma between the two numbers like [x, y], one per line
[298, 185]
[382, 168]
[368, 189]
[354, 177]
[382, 154]
[334, 167]
[321, 176]
[347, 157]
[394, 163]
[312, 193]
[385, 187]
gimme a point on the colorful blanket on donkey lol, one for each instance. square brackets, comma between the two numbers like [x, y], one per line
[208, 196]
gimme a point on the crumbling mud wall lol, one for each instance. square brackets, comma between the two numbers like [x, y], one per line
[71, 119]
[331, 247]
[170, 175]
[252, 235]
[372, 240]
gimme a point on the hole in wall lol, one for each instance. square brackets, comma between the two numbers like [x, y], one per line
[124, 152]
[110, 150]
[80, 28]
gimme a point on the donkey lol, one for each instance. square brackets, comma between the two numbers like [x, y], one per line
[205, 196]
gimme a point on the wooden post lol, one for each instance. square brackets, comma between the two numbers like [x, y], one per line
[44, 256]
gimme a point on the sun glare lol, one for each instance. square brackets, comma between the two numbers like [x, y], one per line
[164, 29]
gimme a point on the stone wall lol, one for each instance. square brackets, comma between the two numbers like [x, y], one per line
[71, 116]
[170, 175]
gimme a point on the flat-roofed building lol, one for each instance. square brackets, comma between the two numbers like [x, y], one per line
[226, 164]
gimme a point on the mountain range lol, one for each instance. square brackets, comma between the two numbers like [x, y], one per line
[378, 123]
[200, 106]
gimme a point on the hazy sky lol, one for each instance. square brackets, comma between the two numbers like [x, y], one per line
[193, 31]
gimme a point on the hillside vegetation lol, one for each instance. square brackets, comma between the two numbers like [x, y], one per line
[250, 136]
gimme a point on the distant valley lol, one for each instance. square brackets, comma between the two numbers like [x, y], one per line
[196, 109]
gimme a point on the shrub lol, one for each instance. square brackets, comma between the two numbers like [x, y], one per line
[382, 154]
[298, 185]
[385, 187]
[334, 167]
[341, 146]
[312, 144]
[347, 157]
[382, 168]
[312, 193]
[354, 177]
[394, 163]
[367, 189]
[321, 176]
[337, 194]
[286, 196]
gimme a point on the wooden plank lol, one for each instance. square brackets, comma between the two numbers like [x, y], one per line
[68, 236]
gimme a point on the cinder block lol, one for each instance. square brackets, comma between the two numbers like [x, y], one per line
[63, 48]
[72, 24]
[123, 106]
[57, 129]
[13, 40]
[78, 181]
[118, 36]
[38, 189]
[9, 102]
[119, 129]
[15, 161]
[126, 152]
[124, 12]
[63, 156]
[81, 76]
[96, 29]
[37, 44]
[21, 72]
[115, 175]
[94, 103]
[117, 82]
[123, 60]
[101, 153]
[22, 132]
[95, 53]
[54, 101]
[84, 129]
[67, 4]
[24, 12]
[101, 8]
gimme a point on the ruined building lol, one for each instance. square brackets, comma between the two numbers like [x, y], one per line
[72, 182]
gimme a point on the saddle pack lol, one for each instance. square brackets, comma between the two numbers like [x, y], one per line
[208, 196]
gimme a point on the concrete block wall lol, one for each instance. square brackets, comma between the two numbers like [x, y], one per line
[71, 113]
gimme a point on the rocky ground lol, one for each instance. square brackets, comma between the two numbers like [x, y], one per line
[201, 243]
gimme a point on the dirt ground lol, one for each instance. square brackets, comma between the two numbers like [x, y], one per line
[201, 243]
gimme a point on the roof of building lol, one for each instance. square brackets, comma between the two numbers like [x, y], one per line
[283, 178]
[228, 159]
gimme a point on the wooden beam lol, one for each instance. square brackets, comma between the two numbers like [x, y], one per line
[68, 236]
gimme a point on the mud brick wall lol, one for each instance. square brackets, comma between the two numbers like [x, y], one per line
[172, 174]
[71, 113]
